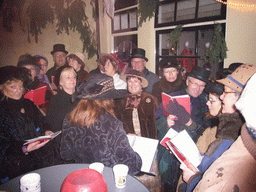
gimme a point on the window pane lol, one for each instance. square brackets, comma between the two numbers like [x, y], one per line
[116, 22]
[186, 10]
[164, 45]
[166, 13]
[133, 19]
[187, 40]
[124, 21]
[124, 45]
[209, 8]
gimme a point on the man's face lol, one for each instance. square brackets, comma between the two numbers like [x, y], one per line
[59, 58]
[138, 64]
[195, 86]
[229, 98]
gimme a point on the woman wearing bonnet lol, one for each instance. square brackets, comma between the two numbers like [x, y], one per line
[20, 120]
[91, 132]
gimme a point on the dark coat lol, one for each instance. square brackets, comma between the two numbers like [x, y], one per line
[60, 105]
[21, 120]
[146, 111]
[105, 141]
[167, 87]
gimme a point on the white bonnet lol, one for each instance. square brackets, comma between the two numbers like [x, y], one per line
[247, 103]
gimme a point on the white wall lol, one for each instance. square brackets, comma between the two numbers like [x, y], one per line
[241, 34]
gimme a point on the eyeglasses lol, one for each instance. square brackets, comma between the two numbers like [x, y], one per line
[226, 92]
[201, 86]
[59, 55]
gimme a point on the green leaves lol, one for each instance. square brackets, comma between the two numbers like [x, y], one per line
[35, 14]
[146, 10]
[218, 49]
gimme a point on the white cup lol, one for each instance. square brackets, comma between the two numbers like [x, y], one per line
[120, 174]
[30, 183]
[97, 166]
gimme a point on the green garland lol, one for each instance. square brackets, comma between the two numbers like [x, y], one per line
[174, 35]
[34, 15]
[217, 51]
[146, 10]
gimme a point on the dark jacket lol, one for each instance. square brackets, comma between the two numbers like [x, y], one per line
[105, 141]
[60, 105]
[21, 120]
[146, 111]
[82, 75]
[152, 78]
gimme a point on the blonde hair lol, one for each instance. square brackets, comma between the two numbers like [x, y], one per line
[87, 112]
[65, 70]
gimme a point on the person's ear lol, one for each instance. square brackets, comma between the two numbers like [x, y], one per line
[187, 81]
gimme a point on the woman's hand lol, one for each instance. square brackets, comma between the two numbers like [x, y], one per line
[170, 120]
[48, 132]
[36, 145]
[187, 173]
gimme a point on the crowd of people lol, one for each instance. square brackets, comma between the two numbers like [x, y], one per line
[96, 111]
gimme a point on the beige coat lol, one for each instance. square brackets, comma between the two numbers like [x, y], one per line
[235, 170]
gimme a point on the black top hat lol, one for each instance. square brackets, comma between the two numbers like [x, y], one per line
[168, 62]
[200, 74]
[214, 87]
[98, 87]
[139, 53]
[59, 47]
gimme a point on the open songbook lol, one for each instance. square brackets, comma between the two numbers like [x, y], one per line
[183, 147]
[42, 138]
[183, 100]
[146, 148]
[36, 95]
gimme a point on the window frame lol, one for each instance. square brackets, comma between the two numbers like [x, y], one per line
[188, 21]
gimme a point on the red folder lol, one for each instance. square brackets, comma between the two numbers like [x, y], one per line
[183, 100]
[37, 95]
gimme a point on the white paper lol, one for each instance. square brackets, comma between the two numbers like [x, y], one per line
[146, 148]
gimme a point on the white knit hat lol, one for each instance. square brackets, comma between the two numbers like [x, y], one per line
[247, 104]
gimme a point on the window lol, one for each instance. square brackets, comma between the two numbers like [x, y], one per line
[125, 21]
[188, 51]
[173, 12]
[124, 28]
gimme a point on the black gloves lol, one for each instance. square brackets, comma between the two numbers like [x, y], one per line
[174, 108]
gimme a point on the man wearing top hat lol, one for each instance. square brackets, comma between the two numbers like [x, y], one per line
[138, 62]
[194, 123]
[59, 57]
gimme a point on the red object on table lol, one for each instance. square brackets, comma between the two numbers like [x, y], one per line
[87, 180]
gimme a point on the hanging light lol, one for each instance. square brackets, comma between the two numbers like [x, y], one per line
[235, 4]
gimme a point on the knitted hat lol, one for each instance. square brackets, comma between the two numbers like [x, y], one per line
[237, 80]
[135, 73]
[77, 56]
[246, 103]
[139, 53]
[98, 87]
[59, 47]
[200, 74]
